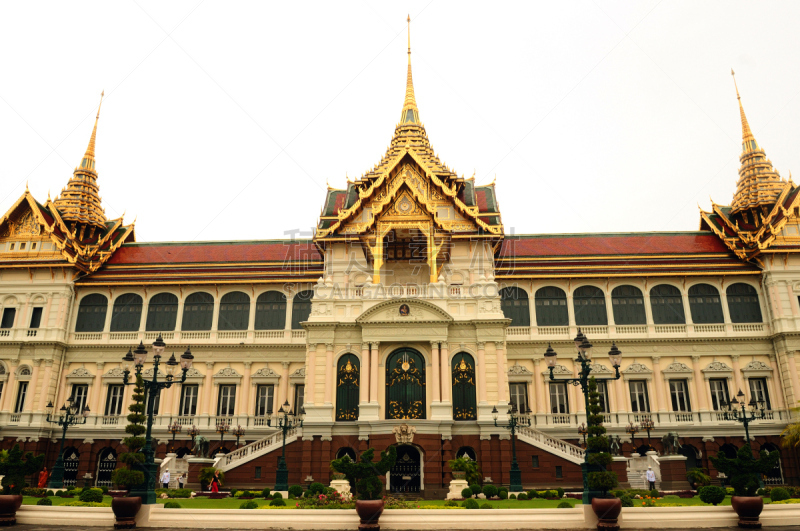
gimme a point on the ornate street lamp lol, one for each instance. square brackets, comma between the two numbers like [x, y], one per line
[757, 411]
[647, 425]
[237, 432]
[583, 430]
[632, 429]
[584, 349]
[152, 388]
[68, 416]
[516, 420]
[174, 429]
[222, 429]
[285, 421]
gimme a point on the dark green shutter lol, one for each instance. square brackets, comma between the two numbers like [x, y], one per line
[667, 305]
[127, 313]
[347, 390]
[234, 311]
[162, 313]
[465, 405]
[743, 303]
[92, 313]
[405, 385]
[301, 308]
[704, 304]
[589, 303]
[514, 302]
[628, 305]
[198, 312]
[551, 307]
[271, 311]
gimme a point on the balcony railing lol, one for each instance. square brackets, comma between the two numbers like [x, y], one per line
[654, 331]
[204, 336]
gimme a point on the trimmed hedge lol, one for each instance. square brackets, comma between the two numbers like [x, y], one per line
[277, 502]
[470, 504]
[172, 505]
[249, 504]
[45, 501]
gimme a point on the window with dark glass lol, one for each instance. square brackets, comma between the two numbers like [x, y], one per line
[234, 311]
[535, 461]
[189, 395]
[640, 403]
[559, 471]
[558, 397]
[264, 397]
[258, 472]
[602, 390]
[705, 304]
[627, 303]
[514, 303]
[126, 316]
[551, 307]
[719, 393]
[405, 385]
[80, 392]
[162, 313]
[518, 392]
[465, 404]
[19, 405]
[8, 317]
[36, 317]
[299, 397]
[301, 308]
[92, 313]
[679, 394]
[667, 305]
[271, 311]
[758, 390]
[743, 303]
[227, 400]
[347, 387]
[590, 306]
[155, 399]
[198, 312]
[114, 399]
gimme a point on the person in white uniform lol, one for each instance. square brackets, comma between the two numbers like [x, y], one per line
[651, 477]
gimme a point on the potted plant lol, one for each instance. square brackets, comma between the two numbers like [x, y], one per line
[465, 468]
[697, 478]
[14, 469]
[364, 475]
[599, 480]
[125, 507]
[744, 472]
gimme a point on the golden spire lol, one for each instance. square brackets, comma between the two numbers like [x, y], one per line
[410, 112]
[87, 163]
[748, 140]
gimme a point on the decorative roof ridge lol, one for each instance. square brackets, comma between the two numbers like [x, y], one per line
[214, 242]
[606, 234]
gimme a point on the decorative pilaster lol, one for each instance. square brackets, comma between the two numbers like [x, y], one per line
[444, 376]
[435, 380]
[363, 385]
[703, 397]
[244, 404]
[661, 404]
[208, 388]
[311, 374]
[482, 372]
[97, 387]
[373, 377]
[330, 373]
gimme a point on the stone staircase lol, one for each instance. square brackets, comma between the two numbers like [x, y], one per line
[247, 453]
[555, 446]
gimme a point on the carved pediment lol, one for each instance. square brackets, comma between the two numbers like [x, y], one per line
[80, 372]
[227, 372]
[717, 366]
[678, 367]
[519, 370]
[757, 366]
[637, 368]
[404, 311]
[116, 372]
[266, 372]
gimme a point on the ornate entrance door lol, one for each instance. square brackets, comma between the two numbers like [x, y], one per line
[405, 385]
[405, 474]
[106, 463]
[71, 461]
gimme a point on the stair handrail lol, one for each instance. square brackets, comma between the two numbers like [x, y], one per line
[553, 442]
[255, 446]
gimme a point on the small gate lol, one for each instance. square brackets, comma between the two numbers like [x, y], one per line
[106, 464]
[405, 474]
[71, 461]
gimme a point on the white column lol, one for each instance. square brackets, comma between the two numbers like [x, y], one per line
[243, 404]
[328, 373]
[481, 372]
[8, 396]
[703, 403]
[792, 373]
[363, 385]
[660, 383]
[502, 372]
[538, 384]
[311, 373]
[97, 388]
[444, 376]
[737, 377]
[207, 388]
[373, 378]
[32, 385]
[283, 388]
[43, 392]
[435, 380]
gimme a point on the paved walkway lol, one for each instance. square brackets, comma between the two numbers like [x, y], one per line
[54, 527]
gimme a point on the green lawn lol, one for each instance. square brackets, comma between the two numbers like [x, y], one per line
[30, 500]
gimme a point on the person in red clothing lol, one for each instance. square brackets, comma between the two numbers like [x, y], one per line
[215, 482]
[44, 475]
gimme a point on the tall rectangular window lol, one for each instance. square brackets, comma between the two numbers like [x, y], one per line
[227, 400]
[2, 385]
[188, 400]
[559, 472]
[519, 395]
[19, 405]
[36, 318]
[758, 390]
[602, 390]
[8, 317]
[679, 393]
[719, 393]
[558, 397]
[156, 399]
[639, 401]
[264, 396]
[80, 392]
[299, 397]
[114, 399]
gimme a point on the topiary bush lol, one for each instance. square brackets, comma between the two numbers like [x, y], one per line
[745, 471]
[296, 491]
[503, 494]
[316, 488]
[92, 495]
[522, 496]
[364, 475]
[711, 494]
[512, 496]
[466, 493]
[564, 505]
[277, 495]
[451, 503]
[50, 493]
[476, 489]
[45, 501]
[654, 493]
[131, 474]
[597, 446]
[277, 502]
[532, 494]
[486, 505]
[470, 504]
[172, 505]
[490, 491]
[560, 492]
[249, 504]
[626, 500]
[779, 494]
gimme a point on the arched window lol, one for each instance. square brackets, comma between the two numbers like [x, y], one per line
[405, 384]
[667, 305]
[347, 387]
[551, 307]
[467, 451]
[92, 313]
[162, 313]
[127, 313]
[234, 311]
[774, 476]
[691, 454]
[514, 302]
[271, 311]
[465, 405]
[705, 304]
[590, 306]
[743, 303]
[301, 308]
[627, 303]
[346, 451]
[198, 312]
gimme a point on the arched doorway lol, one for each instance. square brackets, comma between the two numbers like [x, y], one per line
[465, 405]
[774, 476]
[346, 451]
[106, 464]
[71, 461]
[182, 452]
[692, 456]
[405, 384]
[467, 451]
[406, 474]
[729, 451]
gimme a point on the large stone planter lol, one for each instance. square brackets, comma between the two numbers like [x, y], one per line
[369, 511]
[9, 503]
[607, 511]
[125, 510]
[748, 508]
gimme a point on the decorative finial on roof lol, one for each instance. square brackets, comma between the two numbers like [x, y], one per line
[410, 114]
[748, 140]
[87, 163]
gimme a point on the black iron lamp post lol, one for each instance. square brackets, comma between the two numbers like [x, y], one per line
[516, 420]
[222, 429]
[285, 421]
[632, 429]
[174, 429]
[193, 432]
[584, 358]
[647, 425]
[69, 415]
[237, 432]
[757, 411]
[583, 430]
[152, 388]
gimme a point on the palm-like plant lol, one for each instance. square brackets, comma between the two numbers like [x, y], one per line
[790, 436]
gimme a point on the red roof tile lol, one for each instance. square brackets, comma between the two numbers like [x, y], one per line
[612, 244]
[480, 197]
[198, 253]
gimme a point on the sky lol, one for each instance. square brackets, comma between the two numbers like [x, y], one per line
[227, 120]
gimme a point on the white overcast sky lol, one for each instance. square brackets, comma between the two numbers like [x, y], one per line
[224, 120]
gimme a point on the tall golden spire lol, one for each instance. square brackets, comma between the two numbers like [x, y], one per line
[410, 112]
[748, 140]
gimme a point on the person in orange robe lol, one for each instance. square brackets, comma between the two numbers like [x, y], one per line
[43, 477]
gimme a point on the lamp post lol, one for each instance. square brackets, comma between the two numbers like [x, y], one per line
[584, 349]
[193, 432]
[69, 415]
[174, 429]
[285, 420]
[756, 409]
[647, 424]
[582, 430]
[632, 429]
[222, 429]
[238, 431]
[152, 388]
[516, 420]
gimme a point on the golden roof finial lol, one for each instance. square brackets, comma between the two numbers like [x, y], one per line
[410, 112]
[87, 163]
[748, 140]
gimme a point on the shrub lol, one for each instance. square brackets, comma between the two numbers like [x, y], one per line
[560, 492]
[249, 504]
[266, 492]
[76, 491]
[466, 493]
[552, 494]
[512, 496]
[365, 473]
[104, 489]
[698, 477]
[745, 471]
[316, 488]
[64, 494]
[238, 494]
[296, 491]
[277, 502]
[45, 501]
[50, 493]
[172, 505]
[626, 500]
[532, 494]
[92, 495]
[179, 493]
[654, 493]
[79, 503]
[30, 491]
[564, 505]
[451, 503]
[277, 495]
[486, 505]
[522, 496]
[129, 475]
[490, 491]
[476, 489]
[711, 494]
[503, 494]
[779, 494]
[470, 504]
[207, 474]
[465, 464]
[14, 470]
